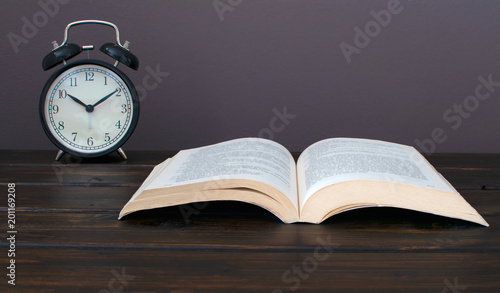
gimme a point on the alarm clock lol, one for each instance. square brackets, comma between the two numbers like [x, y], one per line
[89, 108]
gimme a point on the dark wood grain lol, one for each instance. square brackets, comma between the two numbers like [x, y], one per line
[395, 230]
[69, 212]
[69, 238]
[63, 269]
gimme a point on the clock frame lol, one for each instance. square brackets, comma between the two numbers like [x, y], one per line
[94, 147]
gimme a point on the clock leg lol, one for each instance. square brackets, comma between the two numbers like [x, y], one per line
[59, 155]
[122, 153]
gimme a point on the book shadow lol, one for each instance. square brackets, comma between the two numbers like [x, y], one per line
[368, 218]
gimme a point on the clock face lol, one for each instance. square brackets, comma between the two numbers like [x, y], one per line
[89, 108]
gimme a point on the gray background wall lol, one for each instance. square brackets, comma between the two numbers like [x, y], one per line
[231, 71]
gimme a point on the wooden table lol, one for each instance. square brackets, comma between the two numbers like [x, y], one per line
[69, 239]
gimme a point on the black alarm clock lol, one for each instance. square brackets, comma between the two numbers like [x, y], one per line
[89, 108]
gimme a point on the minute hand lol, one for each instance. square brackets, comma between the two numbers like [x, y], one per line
[104, 99]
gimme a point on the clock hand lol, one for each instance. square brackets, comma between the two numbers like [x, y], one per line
[77, 100]
[105, 98]
[89, 108]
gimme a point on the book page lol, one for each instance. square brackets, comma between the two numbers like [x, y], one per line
[246, 158]
[158, 169]
[343, 159]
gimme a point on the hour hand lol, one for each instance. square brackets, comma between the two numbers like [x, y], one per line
[77, 100]
[105, 98]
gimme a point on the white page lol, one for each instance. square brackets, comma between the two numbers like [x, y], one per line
[343, 159]
[246, 158]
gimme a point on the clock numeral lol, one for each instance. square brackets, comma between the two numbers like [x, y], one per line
[118, 124]
[62, 94]
[105, 80]
[55, 109]
[124, 108]
[72, 81]
[90, 141]
[74, 135]
[107, 137]
[89, 76]
[119, 92]
[61, 125]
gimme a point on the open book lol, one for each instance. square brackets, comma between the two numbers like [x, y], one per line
[331, 176]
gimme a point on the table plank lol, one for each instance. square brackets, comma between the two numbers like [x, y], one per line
[84, 175]
[233, 226]
[314, 270]
[99, 175]
[113, 198]
[464, 161]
